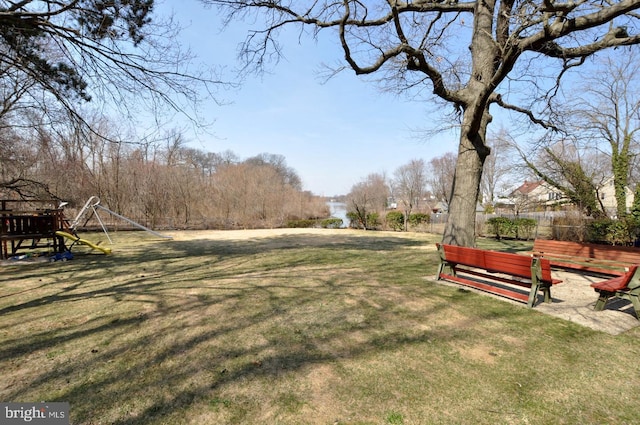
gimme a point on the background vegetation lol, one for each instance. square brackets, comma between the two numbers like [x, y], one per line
[161, 184]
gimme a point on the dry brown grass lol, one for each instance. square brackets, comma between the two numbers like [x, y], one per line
[294, 327]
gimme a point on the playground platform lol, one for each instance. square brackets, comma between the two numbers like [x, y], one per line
[29, 225]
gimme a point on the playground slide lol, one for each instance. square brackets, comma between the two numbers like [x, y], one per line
[83, 241]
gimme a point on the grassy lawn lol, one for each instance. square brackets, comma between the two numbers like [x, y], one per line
[342, 328]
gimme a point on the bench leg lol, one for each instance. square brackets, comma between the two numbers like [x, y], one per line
[602, 300]
[445, 266]
[533, 295]
[440, 269]
[546, 290]
[635, 300]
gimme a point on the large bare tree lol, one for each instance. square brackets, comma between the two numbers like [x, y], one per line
[468, 53]
[575, 171]
[600, 137]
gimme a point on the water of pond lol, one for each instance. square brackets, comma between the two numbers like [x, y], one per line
[339, 210]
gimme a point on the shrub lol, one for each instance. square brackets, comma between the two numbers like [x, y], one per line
[303, 223]
[613, 232]
[354, 221]
[500, 226]
[373, 220]
[524, 228]
[395, 220]
[417, 219]
[331, 223]
[518, 228]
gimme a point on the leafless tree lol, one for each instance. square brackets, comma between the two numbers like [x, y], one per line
[499, 167]
[442, 170]
[57, 56]
[368, 197]
[468, 53]
[18, 163]
[409, 185]
[600, 139]
[576, 172]
[607, 115]
[279, 164]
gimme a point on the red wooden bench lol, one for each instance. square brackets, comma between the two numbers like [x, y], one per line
[589, 257]
[626, 287]
[500, 273]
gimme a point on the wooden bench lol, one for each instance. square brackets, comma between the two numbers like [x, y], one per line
[500, 273]
[588, 257]
[626, 287]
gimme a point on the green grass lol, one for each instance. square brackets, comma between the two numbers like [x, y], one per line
[297, 329]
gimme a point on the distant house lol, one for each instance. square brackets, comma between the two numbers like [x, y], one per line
[539, 195]
[531, 196]
[439, 207]
[607, 195]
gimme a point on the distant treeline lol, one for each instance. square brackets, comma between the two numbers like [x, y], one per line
[170, 186]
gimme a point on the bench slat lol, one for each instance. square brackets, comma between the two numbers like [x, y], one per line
[496, 277]
[467, 256]
[616, 284]
[516, 265]
[597, 258]
[545, 268]
[586, 268]
[518, 296]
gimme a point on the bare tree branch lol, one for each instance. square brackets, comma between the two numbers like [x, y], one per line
[416, 42]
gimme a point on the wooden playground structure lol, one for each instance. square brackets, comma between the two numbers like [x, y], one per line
[30, 225]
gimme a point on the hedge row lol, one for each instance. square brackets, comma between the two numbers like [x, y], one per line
[517, 228]
[327, 223]
[614, 232]
[395, 219]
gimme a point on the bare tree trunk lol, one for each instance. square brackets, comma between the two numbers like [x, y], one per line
[472, 152]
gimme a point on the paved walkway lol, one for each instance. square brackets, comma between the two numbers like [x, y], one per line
[574, 299]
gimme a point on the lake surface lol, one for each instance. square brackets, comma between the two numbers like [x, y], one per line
[339, 210]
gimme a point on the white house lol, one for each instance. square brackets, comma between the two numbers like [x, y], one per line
[607, 195]
[531, 196]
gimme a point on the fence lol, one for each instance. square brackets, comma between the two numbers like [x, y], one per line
[549, 224]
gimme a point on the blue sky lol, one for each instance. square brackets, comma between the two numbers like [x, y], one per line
[333, 134]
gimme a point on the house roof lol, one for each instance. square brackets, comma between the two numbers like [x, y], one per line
[527, 187]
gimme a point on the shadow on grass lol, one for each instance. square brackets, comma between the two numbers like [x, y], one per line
[154, 256]
[150, 332]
